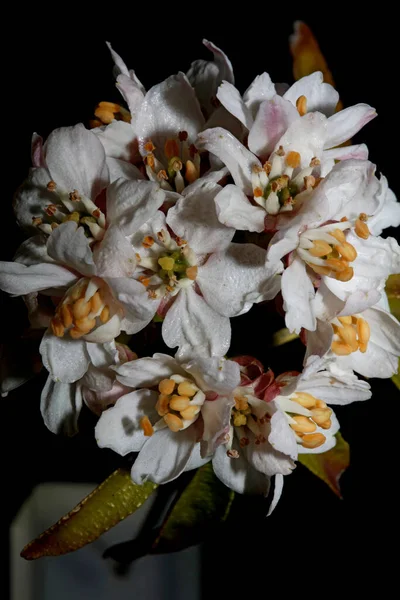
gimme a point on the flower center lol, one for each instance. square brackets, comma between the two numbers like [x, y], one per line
[179, 403]
[315, 413]
[245, 420]
[179, 163]
[279, 181]
[71, 206]
[83, 308]
[352, 333]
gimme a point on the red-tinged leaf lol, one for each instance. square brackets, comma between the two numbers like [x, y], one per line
[111, 502]
[329, 466]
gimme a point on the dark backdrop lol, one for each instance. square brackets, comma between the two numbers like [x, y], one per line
[53, 78]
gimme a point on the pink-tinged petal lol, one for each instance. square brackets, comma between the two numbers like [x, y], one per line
[33, 251]
[231, 281]
[205, 76]
[148, 371]
[97, 381]
[121, 169]
[216, 417]
[99, 401]
[195, 327]
[119, 426]
[273, 119]
[19, 279]
[298, 294]
[168, 108]
[130, 204]
[230, 97]
[344, 124]
[282, 437]
[235, 210]
[32, 198]
[37, 155]
[66, 359]
[259, 90]
[133, 296]
[214, 374]
[357, 151]
[194, 219]
[321, 97]
[164, 456]
[278, 487]
[118, 140]
[238, 474]
[232, 153]
[60, 405]
[76, 159]
[306, 135]
[69, 246]
[388, 215]
[114, 256]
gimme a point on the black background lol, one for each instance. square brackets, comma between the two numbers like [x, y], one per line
[314, 542]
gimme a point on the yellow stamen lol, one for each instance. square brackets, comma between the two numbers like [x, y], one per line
[346, 320]
[105, 314]
[257, 192]
[303, 424]
[313, 441]
[51, 186]
[347, 251]
[321, 415]
[186, 389]
[179, 403]
[309, 182]
[338, 234]
[239, 419]
[349, 336]
[341, 349]
[75, 333]
[361, 229]
[241, 403]
[81, 309]
[293, 159]
[320, 248]
[146, 426]
[167, 263]
[85, 325]
[189, 413]
[363, 334]
[305, 399]
[57, 327]
[66, 315]
[95, 302]
[173, 422]
[149, 146]
[301, 105]
[191, 173]
[162, 404]
[191, 272]
[345, 275]
[166, 386]
[171, 149]
[148, 241]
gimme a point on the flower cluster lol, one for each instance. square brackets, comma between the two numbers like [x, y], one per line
[136, 218]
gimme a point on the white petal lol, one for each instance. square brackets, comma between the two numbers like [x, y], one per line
[357, 151]
[306, 136]
[321, 97]
[33, 251]
[388, 215]
[282, 437]
[215, 374]
[230, 97]
[76, 159]
[195, 327]
[211, 177]
[273, 119]
[164, 456]
[19, 279]
[233, 154]
[385, 329]
[69, 246]
[66, 359]
[106, 332]
[60, 405]
[334, 387]
[122, 169]
[131, 203]
[194, 218]
[119, 426]
[134, 298]
[298, 294]
[118, 140]
[149, 371]
[237, 474]
[265, 459]
[375, 362]
[235, 210]
[259, 90]
[346, 123]
[168, 108]
[233, 280]
[114, 256]
[32, 197]
[216, 416]
[98, 381]
[195, 459]
[278, 487]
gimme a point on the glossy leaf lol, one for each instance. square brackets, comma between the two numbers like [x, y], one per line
[111, 502]
[329, 466]
[204, 504]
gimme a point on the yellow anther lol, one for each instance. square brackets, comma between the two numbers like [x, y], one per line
[57, 327]
[313, 440]
[257, 192]
[51, 186]
[74, 196]
[85, 325]
[146, 426]
[293, 159]
[148, 241]
[241, 403]
[179, 403]
[36, 221]
[280, 183]
[81, 308]
[309, 182]
[301, 105]
[363, 217]
[54, 226]
[74, 216]
[339, 235]
[171, 149]
[314, 162]
[175, 165]
[303, 424]
[321, 415]
[144, 280]
[361, 229]
[345, 275]
[95, 302]
[162, 404]
[149, 146]
[166, 386]
[320, 248]
[191, 272]
[173, 422]
[363, 334]
[186, 389]
[105, 314]
[325, 271]
[239, 420]
[349, 336]
[150, 160]
[341, 349]
[305, 399]
[190, 412]
[167, 263]
[346, 320]
[66, 315]
[191, 173]
[75, 333]
[347, 251]
[267, 166]
[162, 174]
[280, 151]
[336, 264]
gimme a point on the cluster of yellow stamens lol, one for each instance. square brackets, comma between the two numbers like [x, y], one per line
[107, 112]
[352, 333]
[78, 312]
[243, 416]
[305, 427]
[179, 165]
[179, 403]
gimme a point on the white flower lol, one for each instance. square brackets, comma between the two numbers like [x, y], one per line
[197, 278]
[366, 341]
[164, 425]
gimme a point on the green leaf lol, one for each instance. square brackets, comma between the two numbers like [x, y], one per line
[111, 502]
[204, 504]
[393, 294]
[283, 336]
[329, 466]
